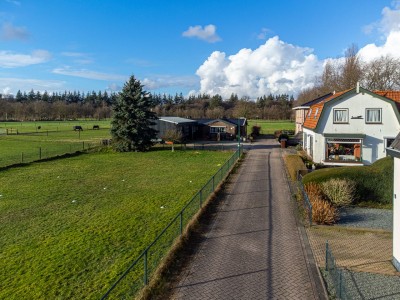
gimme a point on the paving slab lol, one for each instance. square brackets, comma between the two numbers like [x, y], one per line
[254, 249]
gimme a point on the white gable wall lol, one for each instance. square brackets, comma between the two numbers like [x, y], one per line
[396, 214]
[373, 143]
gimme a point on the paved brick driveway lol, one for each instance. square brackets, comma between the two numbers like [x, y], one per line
[254, 248]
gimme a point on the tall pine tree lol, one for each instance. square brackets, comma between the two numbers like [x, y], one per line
[132, 120]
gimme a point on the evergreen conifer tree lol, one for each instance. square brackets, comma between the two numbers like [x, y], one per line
[132, 120]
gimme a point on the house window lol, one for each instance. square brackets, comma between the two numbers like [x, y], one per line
[373, 115]
[387, 143]
[217, 129]
[343, 150]
[316, 113]
[309, 112]
[341, 116]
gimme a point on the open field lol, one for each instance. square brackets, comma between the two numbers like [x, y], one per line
[70, 226]
[53, 138]
[268, 127]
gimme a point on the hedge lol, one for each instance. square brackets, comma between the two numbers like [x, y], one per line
[294, 163]
[373, 183]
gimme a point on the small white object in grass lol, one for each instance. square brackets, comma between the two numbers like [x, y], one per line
[1, 195]
[104, 188]
[58, 176]
[219, 165]
[73, 201]
[123, 179]
[190, 181]
[162, 207]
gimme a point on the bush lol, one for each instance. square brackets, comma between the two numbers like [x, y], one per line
[322, 211]
[294, 163]
[373, 183]
[340, 192]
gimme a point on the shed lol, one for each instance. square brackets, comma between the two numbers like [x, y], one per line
[188, 127]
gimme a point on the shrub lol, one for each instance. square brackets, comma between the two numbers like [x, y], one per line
[294, 163]
[373, 183]
[313, 190]
[323, 212]
[339, 191]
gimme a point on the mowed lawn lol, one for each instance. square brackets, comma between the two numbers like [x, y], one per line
[269, 127]
[53, 138]
[69, 227]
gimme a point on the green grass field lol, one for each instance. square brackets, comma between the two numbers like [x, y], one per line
[70, 226]
[269, 127]
[53, 138]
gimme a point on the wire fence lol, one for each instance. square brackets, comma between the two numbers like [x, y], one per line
[306, 201]
[336, 275]
[143, 268]
[40, 153]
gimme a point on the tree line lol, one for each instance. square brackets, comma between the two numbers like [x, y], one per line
[382, 73]
[73, 105]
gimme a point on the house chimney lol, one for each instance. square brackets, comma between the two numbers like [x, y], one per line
[358, 87]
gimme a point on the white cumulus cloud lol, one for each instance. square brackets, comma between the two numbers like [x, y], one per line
[208, 33]
[10, 59]
[274, 67]
[389, 27]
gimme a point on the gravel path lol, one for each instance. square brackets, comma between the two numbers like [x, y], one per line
[366, 218]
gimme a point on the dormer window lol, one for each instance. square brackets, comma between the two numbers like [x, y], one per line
[316, 113]
[309, 112]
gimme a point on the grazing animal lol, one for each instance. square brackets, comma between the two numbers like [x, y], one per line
[96, 127]
[77, 128]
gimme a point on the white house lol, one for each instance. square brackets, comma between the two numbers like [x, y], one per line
[394, 150]
[352, 127]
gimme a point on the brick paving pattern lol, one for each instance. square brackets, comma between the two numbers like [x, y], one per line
[254, 248]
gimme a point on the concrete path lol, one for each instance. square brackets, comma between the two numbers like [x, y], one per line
[254, 249]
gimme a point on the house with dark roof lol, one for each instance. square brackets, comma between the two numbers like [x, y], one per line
[394, 151]
[302, 111]
[351, 127]
[222, 129]
[202, 129]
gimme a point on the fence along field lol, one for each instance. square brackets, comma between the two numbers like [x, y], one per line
[22, 142]
[70, 227]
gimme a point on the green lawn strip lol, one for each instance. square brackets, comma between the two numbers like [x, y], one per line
[269, 127]
[70, 227]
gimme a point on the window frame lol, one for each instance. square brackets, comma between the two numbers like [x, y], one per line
[334, 116]
[372, 122]
[218, 129]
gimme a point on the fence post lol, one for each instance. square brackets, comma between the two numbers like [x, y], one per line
[326, 255]
[213, 183]
[340, 284]
[22, 157]
[83, 145]
[40, 153]
[145, 279]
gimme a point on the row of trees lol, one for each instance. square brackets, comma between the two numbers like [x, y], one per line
[71, 105]
[382, 73]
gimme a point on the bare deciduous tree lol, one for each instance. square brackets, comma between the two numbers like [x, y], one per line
[382, 73]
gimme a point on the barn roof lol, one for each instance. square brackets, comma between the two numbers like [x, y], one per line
[177, 120]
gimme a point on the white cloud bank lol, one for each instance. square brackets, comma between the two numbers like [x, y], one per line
[278, 67]
[10, 59]
[275, 67]
[208, 33]
[9, 84]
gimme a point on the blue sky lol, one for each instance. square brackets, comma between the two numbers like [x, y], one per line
[189, 46]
